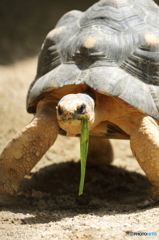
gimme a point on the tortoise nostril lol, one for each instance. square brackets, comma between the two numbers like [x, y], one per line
[60, 111]
[81, 109]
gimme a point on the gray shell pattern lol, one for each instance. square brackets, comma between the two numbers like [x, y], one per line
[113, 47]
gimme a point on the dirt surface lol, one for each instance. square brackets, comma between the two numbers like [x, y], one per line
[116, 197]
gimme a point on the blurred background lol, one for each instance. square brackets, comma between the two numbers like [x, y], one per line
[24, 24]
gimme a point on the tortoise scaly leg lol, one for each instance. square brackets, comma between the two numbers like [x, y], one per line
[145, 146]
[27, 147]
[100, 151]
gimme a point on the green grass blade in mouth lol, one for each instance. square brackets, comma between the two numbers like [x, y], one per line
[84, 139]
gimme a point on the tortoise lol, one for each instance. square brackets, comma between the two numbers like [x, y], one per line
[104, 64]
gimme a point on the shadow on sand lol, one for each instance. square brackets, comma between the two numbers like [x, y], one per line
[54, 188]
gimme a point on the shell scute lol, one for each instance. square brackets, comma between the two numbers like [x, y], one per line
[113, 47]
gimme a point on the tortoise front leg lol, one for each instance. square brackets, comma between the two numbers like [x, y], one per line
[145, 146]
[27, 147]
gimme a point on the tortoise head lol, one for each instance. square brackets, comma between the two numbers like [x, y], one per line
[71, 109]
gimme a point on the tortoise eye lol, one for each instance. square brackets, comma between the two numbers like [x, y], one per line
[81, 109]
[60, 111]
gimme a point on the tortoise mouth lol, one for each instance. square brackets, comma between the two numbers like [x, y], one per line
[70, 126]
[75, 117]
[71, 122]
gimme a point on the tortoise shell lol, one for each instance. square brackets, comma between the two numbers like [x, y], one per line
[113, 48]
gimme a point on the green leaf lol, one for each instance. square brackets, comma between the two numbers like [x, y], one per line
[84, 140]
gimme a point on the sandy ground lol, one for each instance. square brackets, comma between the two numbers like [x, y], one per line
[116, 197]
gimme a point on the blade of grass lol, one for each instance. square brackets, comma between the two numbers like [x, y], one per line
[84, 140]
